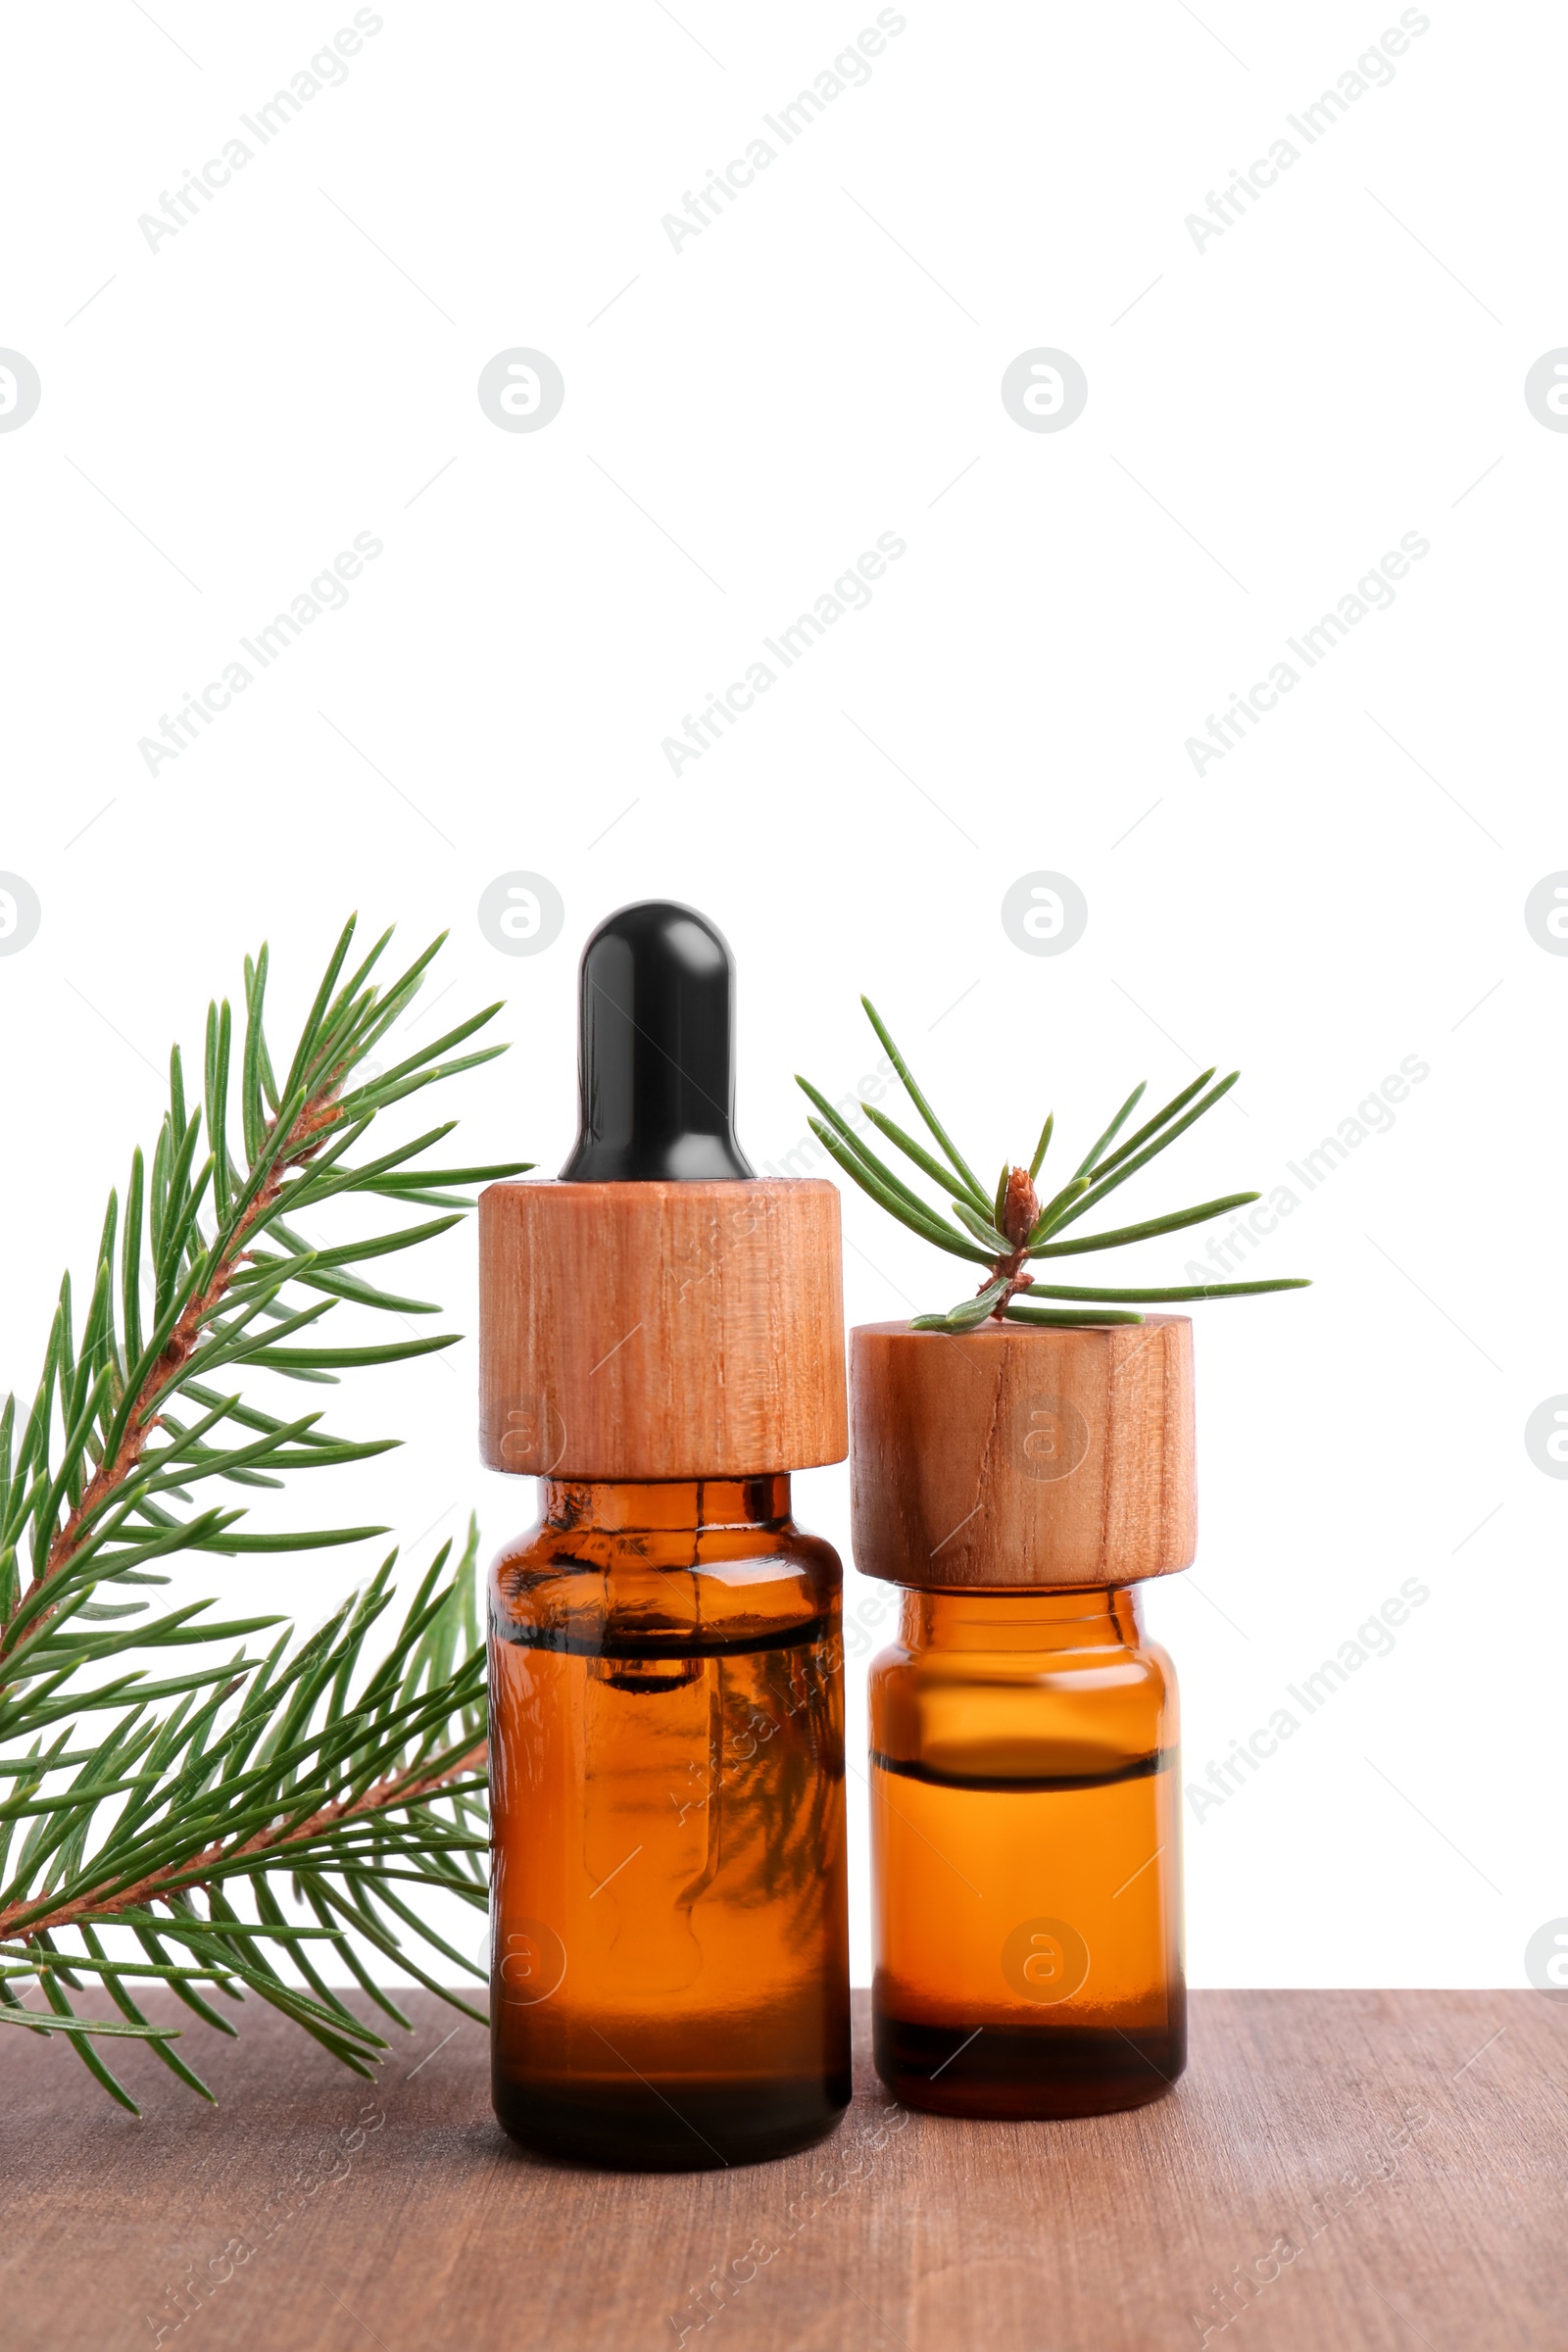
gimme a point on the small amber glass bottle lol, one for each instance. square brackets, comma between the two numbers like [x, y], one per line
[1019, 1483]
[1026, 1837]
[671, 1966]
[662, 1344]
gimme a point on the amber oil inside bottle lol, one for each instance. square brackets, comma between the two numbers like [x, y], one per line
[1026, 1842]
[668, 1910]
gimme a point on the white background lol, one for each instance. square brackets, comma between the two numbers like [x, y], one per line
[1266, 416]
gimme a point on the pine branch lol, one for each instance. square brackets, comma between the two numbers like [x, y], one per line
[1009, 1229]
[162, 1847]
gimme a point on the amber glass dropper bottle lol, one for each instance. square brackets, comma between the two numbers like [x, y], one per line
[1019, 1483]
[662, 1344]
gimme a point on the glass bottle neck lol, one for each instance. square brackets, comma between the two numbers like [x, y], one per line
[1087, 1617]
[675, 1504]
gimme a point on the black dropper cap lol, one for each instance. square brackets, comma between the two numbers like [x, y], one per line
[656, 1070]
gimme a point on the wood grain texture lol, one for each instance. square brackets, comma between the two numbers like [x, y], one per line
[660, 1330]
[1018, 1456]
[1104, 2235]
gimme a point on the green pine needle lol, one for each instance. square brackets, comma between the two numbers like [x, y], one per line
[153, 1823]
[965, 1172]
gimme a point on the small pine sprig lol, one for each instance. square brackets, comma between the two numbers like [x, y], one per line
[265, 1771]
[1003, 1230]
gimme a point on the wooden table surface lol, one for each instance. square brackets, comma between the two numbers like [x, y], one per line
[1354, 2168]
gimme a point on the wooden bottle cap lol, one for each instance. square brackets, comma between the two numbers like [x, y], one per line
[1011, 1457]
[660, 1330]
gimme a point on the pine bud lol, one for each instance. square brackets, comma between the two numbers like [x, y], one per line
[1021, 1208]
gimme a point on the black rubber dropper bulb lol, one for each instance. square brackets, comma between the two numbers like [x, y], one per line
[656, 1069]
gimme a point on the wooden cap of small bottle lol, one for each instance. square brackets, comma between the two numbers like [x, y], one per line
[660, 1330]
[1011, 1457]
